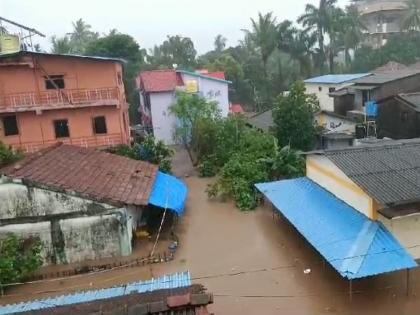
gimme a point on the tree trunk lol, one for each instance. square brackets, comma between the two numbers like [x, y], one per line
[321, 51]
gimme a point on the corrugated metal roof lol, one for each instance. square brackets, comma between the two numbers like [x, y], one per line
[336, 78]
[381, 78]
[263, 121]
[354, 245]
[172, 281]
[388, 171]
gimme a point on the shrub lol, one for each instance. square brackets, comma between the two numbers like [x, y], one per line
[7, 155]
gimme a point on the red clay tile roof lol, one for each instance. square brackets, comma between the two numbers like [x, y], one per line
[160, 80]
[217, 75]
[236, 109]
[92, 174]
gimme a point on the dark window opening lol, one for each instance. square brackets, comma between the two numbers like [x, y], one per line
[53, 82]
[331, 89]
[99, 125]
[61, 128]
[320, 88]
[10, 125]
[404, 116]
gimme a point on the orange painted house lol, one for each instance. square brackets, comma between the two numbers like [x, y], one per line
[50, 98]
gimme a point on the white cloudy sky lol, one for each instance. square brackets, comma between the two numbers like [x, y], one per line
[149, 21]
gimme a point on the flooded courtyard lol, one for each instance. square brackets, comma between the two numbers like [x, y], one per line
[254, 263]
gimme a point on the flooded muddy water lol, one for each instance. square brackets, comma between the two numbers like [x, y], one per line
[254, 264]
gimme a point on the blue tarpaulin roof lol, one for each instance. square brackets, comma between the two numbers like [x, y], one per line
[169, 192]
[353, 244]
[172, 281]
[336, 78]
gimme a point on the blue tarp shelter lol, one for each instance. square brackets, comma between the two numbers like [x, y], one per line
[173, 281]
[353, 244]
[169, 193]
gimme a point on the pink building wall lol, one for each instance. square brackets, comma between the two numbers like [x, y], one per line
[23, 78]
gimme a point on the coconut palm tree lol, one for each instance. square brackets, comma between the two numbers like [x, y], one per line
[61, 45]
[81, 36]
[318, 20]
[263, 35]
[353, 31]
[220, 43]
[411, 21]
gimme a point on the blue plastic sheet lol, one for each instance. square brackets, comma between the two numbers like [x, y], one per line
[169, 193]
[353, 244]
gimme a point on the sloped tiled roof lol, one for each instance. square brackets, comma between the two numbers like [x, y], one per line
[390, 67]
[263, 121]
[236, 109]
[160, 80]
[217, 75]
[90, 173]
[388, 171]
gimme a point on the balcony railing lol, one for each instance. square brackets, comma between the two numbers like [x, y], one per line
[58, 99]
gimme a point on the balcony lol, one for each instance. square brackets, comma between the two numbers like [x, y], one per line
[59, 99]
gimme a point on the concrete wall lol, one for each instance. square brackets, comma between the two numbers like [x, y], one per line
[326, 174]
[37, 131]
[321, 91]
[164, 123]
[336, 124]
[212, 90]
[72, 229]
[406, 230]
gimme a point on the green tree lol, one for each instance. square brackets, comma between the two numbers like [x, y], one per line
[61, 45]
[411, 21]
[190, 109]
[220, 43]
[175, 50]
[7, 155]
[18, 259]
[353, 31]
[294, 118]
[318, 20]
[263, 35]
[122, 46]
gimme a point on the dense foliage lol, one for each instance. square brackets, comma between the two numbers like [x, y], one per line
[18, 259]
[293, 116]
[7, 155]
[150, 150]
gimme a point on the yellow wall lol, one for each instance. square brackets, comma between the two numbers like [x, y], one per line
[326, 174]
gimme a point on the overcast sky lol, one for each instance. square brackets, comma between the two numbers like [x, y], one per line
[149, 21]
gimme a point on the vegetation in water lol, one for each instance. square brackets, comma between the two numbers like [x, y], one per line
[19, 258]
[149, 150]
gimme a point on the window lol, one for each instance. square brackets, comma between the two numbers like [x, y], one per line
[53, 82]
[99, 125]
[10, 125]
[331, 89]
[320, 88]
[61, 128]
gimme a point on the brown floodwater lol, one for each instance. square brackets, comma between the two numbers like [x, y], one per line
[253, 264]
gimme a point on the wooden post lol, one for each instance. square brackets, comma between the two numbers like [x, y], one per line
[408, 282]
[351, 290]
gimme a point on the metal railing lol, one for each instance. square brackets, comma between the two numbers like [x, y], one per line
[57, 98]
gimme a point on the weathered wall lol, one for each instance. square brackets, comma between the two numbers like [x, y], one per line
[406, 230]
[326, 102]
[96, 237]
[333, 123]
[326, 174]
[72, 229]
[41, 230]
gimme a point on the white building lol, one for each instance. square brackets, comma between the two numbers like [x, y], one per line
[158, 93]
[324, 85]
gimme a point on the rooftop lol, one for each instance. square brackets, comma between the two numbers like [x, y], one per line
[263, 121]
[87, 301]
[89, 173]
[412, 98]
[336, 78]
[385, 77]
[167, 80]
[389, 171]
[354, 245]
[43, 54]
[390, 66]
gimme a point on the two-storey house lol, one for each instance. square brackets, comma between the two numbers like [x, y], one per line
[50, 98]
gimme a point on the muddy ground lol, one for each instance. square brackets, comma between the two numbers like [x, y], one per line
[254, 264]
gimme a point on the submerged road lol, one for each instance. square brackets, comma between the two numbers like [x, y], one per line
[254, 264]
